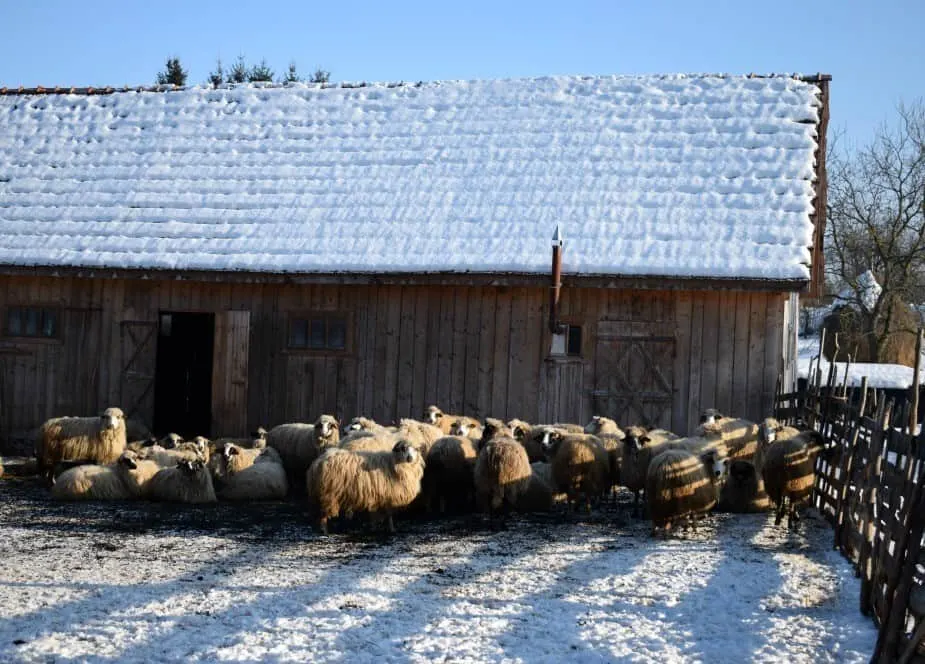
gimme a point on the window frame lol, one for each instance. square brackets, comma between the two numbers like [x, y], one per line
[308, 316]
[43, 310]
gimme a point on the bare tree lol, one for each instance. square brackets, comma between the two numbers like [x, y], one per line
[876, 212]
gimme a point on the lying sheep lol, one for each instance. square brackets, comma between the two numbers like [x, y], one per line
[788, 468]
[740, 435]
[100, 440]
[248, 474]
[187, 482]
[448, 477]
[502, 469]
[127, 479]
[580, 467]
[376, 482]
[168, 442]
[433, 415]
[681, 486]
[300, 444]
[198, 448]
[743, 491]
[257, 439]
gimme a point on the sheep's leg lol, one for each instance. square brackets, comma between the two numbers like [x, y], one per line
[323, 522]
[780, 511]
[636, 503]
[391, 524]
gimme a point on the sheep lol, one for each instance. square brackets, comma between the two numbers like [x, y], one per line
[580, 467]
[300, 444]
[198, 448]
[540, 495]
[168, 442]
[465, 427]
[375, 482]
[788, 468]
[187, 482]
[502, 469]
[419, 434]
[448, 476]
[368, 443]
[126, 479]
[97, 439]
[744, 489]
[248, 474]
[366, 424]
[682, 485]
[603, 425]
[740, 435]
[433, 415]
[639, 447]
[770, 430]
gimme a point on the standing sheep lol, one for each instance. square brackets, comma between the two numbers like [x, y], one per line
[743, 491]
[541, 494]
[740, 435]
[448, 477]
[300, 444]
[100, 440]
[187, 482]
[603, 425]
[681, 486]
[502, 469]
[248, 474]
[366, 424]
[639, 448]
[375, 482]
[788, 468]
[580, 467]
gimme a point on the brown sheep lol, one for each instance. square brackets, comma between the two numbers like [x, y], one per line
[502, 469]
[433, 415]
[743, 491]
[580, 467]
[639, 448]
[788, 468]
[300, 444]
[540, 495]
[681, 486]
[100, 440]
[187, 482]
[603, 425]
[448, 477]
[740, 435]
[374, 482]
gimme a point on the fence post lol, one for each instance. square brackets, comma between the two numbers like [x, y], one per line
[914, 415]
[847, 468]
[869, 527]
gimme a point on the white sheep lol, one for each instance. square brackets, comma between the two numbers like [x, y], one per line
[299, 444]
[248, 474]
[502, 469]
[187, 482]
[788, 467]
[739, 434]
[99, 440]
[129, 478]
[375, 482]
[681, 486]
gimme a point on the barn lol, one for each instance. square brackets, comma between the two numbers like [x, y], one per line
[212, 260]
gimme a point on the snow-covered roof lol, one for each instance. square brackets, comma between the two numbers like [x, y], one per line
[685, 176]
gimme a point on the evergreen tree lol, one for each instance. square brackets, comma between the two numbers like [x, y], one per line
[291, 76]
[238, 73]
[321, 76]
[173, 74]
[260, 73]
[217, 77]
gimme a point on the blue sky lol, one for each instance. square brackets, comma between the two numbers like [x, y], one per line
[874, 50]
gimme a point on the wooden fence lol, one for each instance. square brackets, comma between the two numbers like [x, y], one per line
[869, 486]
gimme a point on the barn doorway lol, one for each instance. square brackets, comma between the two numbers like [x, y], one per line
[183, 375]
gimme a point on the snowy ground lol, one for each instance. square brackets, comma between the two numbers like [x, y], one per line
[150, 582]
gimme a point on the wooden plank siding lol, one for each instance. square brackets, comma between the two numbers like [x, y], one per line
[479, 349]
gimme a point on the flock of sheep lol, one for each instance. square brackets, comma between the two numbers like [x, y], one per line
[442, 462]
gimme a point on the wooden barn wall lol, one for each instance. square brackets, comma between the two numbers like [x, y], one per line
[478, 350]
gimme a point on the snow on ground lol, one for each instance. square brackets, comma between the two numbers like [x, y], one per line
[147, 582]
[885, 376]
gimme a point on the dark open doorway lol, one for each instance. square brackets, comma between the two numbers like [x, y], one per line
[183, 383]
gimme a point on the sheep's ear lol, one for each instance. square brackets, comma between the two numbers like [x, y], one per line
[645, 439]
[128, 462]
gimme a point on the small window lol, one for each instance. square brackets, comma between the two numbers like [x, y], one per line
[573, 342]
[33, 322]
[318, 333]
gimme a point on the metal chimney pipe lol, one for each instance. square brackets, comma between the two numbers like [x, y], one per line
[556, 287]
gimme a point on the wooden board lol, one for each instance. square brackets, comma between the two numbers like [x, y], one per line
[229, 373]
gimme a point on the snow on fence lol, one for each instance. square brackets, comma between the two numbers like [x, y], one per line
[870, 485]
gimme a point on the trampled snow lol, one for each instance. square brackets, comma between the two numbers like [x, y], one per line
[694, 176]
[256, 583]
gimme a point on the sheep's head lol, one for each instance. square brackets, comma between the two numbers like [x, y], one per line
[710, 416]
[170, 441]
[191, 468]
[547, 437]
[634, 440]
[711, 429]
[405, 452]
[328, 429]
[717, 465]
[359, 424]
[112, 418]
[768, 430]
[128, 460]
[433, 415]
[494, 428]
[259, 434]
[599, 423]
[460, 428]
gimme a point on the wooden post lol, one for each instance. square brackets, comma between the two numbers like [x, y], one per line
[914, 415]
[847, 468]
[868, 525]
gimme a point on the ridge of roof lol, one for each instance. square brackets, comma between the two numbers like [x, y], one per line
[92, 90]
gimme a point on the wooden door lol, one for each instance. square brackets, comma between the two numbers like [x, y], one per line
[634, 366]
[229, 373]
[139, 353]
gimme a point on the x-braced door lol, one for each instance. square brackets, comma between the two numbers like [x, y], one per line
[634, 367]
[139, 352]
